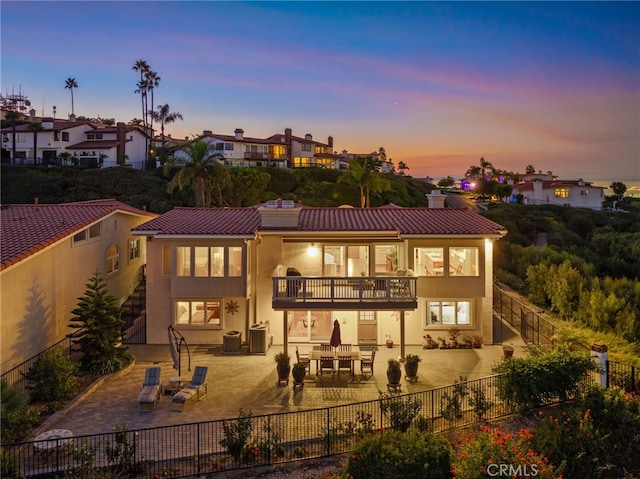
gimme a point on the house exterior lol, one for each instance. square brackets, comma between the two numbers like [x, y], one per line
[279, 150]
[573, 194]
[291, 270]
[83, 142]
[48, 253]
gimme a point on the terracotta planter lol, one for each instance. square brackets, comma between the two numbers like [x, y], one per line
[507, 352]
[389, 343]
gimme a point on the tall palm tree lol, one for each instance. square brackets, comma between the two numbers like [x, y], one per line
[35, 127]
[153, 81]
[363, 172]
[70, 84]
[197, 170]
[12, 116]
[530, 170]
[163, 116]
[142, 67]
[402, 166]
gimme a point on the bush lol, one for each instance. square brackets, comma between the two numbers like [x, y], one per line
[237, 434]
[16, 420]
[533, 381]
[396, 454]
[52, 377]
[399, 410]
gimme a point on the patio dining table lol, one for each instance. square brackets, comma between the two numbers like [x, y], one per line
[353, 355]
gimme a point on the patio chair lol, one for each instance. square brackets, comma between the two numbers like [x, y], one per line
[150, 390]
[304, 359]
[195, 389]
[345, 363]
[366, 363]
[326, 365]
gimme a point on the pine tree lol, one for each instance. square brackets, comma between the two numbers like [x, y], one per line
[98, 335]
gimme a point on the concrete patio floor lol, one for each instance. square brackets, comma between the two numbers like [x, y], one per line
[249, 382]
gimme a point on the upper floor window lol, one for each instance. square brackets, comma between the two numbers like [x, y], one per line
[562, 192]
[301, 162]
[429, 261]
[224, 146]
[448, 313]
[113, 259]
[306, 146]
[386, 258]
[134, 249]
[93, 136]
[463, 261]
[209, 261]
[65, 136]
[91, 232]
[584, 192]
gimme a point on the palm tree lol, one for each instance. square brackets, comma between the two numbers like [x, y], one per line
[363, 172]
[153, 81]
[530, 170]
[198, 170]
[142, 67]
[402, 166]
[164, 117]
[71, 83]
[12, 116]
[35, 127]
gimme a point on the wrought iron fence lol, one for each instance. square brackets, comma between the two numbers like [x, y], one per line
[624, 376]
[531, 325]
[15, 377]
[201, 448]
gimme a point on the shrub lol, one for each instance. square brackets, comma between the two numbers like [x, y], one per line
[52, 377]
[237, 434]
[530, 382]
[407, 455]
[400, 410]
[451, 404]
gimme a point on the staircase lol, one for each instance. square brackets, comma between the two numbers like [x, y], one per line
[134, 316]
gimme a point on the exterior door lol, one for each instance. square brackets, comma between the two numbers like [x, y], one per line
[367, 328]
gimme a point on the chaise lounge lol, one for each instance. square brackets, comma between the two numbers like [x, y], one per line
[195, 389]
[150, 390]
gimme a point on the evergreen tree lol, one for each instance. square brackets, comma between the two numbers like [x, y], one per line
[98, 324]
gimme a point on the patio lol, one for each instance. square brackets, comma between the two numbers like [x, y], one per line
[250, 382]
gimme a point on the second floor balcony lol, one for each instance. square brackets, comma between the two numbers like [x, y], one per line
[391, 293]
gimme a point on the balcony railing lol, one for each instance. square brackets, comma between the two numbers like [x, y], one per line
[263, 156]
[298, 292]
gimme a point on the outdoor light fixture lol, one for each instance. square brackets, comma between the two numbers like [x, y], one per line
[313, 250]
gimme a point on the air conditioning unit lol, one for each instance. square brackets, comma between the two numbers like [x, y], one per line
[287, 204]
[272, 203]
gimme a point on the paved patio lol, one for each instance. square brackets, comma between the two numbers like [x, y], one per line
[249, 382]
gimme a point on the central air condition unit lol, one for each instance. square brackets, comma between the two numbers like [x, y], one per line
[272, 204]
[259, 338]
[287, 204]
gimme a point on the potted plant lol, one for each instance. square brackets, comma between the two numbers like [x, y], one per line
[283, 366]
[394, 374]
[389, 341]
[428, 342]
[477, 341]
[468, 341]
[298, 372]
[453, 336]
[442, 343]
[411, 366]
[507, 351]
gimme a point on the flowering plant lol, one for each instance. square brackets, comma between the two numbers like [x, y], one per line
[493, 451]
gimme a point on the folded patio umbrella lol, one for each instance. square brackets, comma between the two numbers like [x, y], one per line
[335, 335]
[176, 339]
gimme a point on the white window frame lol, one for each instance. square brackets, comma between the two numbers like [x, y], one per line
[113, 259]
[438, 307]
[189, 309]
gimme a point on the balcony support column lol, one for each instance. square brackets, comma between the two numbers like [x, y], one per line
[402, 339]
[285, 332]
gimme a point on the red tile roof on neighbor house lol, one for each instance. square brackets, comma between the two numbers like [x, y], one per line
[247, 222]
[551, 184]
[27, 229]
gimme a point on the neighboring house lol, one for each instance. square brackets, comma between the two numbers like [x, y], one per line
[279, 150]
[48, 253]
[378, 271]
[386, 165]
[574, 194]
[56, 137]
[84, 142]
[119, 145]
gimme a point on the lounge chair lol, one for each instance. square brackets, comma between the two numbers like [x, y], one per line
[150, 390]
[194, 389]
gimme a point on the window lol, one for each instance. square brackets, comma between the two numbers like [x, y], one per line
[93, 231]
[463, 261]
[448, 313]
[113, 259]
[198, 313]
[228, 146]
[166, 260]
[134, 249]
[80, 236]
[429, 261]
[301, 162]
[562, 192]
[386, 258]
[306, 146]
[183, 261]
[201, 256]
[584, 192]
[235, 261]
[65, 136]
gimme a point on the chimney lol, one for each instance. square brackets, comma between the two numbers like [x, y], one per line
[436, 200]
[239, 133]
[308, 136]
[330, 142]
[121, 151]
[72, 117]
[287, 135]
[279, 214]
[35, 202]
[207, 133]
[32, 114]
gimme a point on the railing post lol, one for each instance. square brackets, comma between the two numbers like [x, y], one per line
[600, 354]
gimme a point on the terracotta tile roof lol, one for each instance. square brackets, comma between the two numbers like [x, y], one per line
[93, 144]
[58, 125]
[552, 184]
[27, 229]
[247, 221]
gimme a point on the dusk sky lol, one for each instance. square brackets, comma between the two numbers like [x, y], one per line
[437, 84]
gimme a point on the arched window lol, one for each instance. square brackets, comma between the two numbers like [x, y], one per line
[113, 259]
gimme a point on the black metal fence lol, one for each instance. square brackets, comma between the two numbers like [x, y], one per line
[15, 377]
[207, 447]
[624, 376]
[531, 325]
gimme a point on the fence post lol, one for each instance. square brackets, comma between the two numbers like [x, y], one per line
[600, 354]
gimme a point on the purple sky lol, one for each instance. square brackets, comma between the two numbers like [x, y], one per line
[437, 84]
